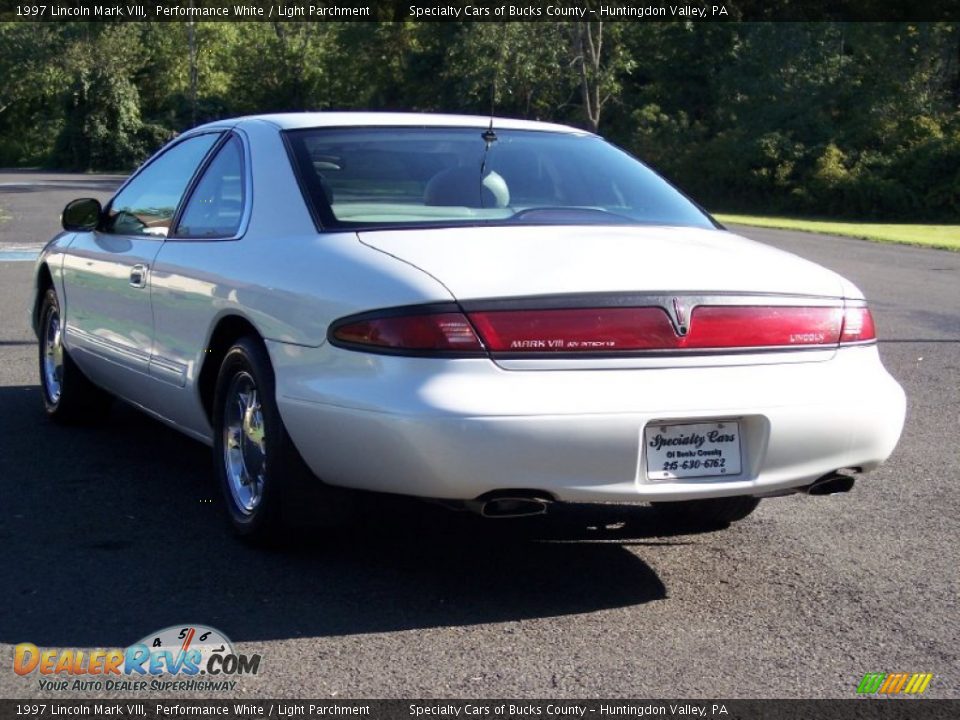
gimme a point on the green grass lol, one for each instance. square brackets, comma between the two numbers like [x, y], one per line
[946, 237]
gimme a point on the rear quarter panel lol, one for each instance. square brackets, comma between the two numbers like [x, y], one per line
[288, 280]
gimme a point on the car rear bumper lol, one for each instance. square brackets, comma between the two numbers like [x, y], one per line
[458, 429]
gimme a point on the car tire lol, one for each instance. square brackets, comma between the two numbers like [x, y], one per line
[267, 487]
[710, 513]
[68, 396]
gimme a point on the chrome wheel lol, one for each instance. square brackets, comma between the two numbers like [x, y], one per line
[244, 443]
[52, 356]
[68, 396]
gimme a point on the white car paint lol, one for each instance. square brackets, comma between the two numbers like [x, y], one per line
[477, 263]
[470, 428]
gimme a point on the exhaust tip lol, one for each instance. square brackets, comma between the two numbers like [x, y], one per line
[513, 507]
[841, 481]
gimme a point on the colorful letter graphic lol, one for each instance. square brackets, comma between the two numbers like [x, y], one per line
[894, 683]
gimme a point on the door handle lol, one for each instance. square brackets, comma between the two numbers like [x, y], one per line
[138, 276]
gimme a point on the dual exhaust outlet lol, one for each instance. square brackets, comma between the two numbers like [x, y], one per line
[514, 506]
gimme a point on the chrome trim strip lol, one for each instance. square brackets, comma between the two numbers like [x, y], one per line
[110, 349]
[169, 371]
[690, 301]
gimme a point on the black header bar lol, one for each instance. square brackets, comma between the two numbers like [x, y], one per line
[479, 10]
[64, 706]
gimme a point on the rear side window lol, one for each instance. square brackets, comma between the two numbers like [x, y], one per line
[215, 208]
[147, 204]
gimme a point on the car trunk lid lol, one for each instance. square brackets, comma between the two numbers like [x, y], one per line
[521, 285]
[504, 261]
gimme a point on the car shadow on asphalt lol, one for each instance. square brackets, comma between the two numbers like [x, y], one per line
[115, 530]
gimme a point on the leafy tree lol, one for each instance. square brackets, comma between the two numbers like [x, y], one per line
[838, 118]
[519, 69]
[280, 66]
[32, 79]
[103, 127]
[601, 61]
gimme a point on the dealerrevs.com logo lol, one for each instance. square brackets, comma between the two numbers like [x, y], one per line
[176, 659]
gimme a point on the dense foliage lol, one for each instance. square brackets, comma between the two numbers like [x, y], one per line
[839, 119]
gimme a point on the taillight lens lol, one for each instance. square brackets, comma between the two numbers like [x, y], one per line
[767, 326]
[857, 325]
[604, 330]
[439, 332]
[579, 330]
[649, 328]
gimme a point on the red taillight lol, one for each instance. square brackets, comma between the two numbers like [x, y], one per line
[767, 326]
[649, 328]
[579, 330]
[604, 329]
[857, 325]
[440, 331]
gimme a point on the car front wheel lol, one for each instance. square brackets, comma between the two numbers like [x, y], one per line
[68, 396]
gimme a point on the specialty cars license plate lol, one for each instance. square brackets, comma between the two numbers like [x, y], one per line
[701, 450]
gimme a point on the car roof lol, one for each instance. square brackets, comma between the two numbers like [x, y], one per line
[296, 121]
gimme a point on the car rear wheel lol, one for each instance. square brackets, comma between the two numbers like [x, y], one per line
[68, 396]
[265, 483]
[710, 513]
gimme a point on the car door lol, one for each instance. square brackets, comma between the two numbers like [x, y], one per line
[109, 318]
[192, 279]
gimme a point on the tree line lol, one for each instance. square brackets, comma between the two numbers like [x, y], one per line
[825, 119]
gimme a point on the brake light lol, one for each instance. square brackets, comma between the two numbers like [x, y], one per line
[857, 325]
[766, 326]
[602, 329]
[649, 328]
[439, 332]
[578, 330]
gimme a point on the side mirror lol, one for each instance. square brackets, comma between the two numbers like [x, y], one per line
[81, 215]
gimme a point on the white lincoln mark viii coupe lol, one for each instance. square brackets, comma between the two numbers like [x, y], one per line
[496, 313]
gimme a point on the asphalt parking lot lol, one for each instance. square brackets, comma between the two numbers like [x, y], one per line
[113, 531]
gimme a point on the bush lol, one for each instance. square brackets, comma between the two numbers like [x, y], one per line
[103, 129]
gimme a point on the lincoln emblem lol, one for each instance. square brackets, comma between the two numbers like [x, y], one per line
[680, 315]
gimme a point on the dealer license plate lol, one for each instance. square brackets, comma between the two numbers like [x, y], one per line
[700, 450]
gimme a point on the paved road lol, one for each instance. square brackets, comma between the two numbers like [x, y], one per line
[33, 200]
[109, 533]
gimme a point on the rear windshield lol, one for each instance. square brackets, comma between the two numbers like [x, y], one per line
[388, 177]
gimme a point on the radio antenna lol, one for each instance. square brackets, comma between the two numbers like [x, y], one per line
[489, 135]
